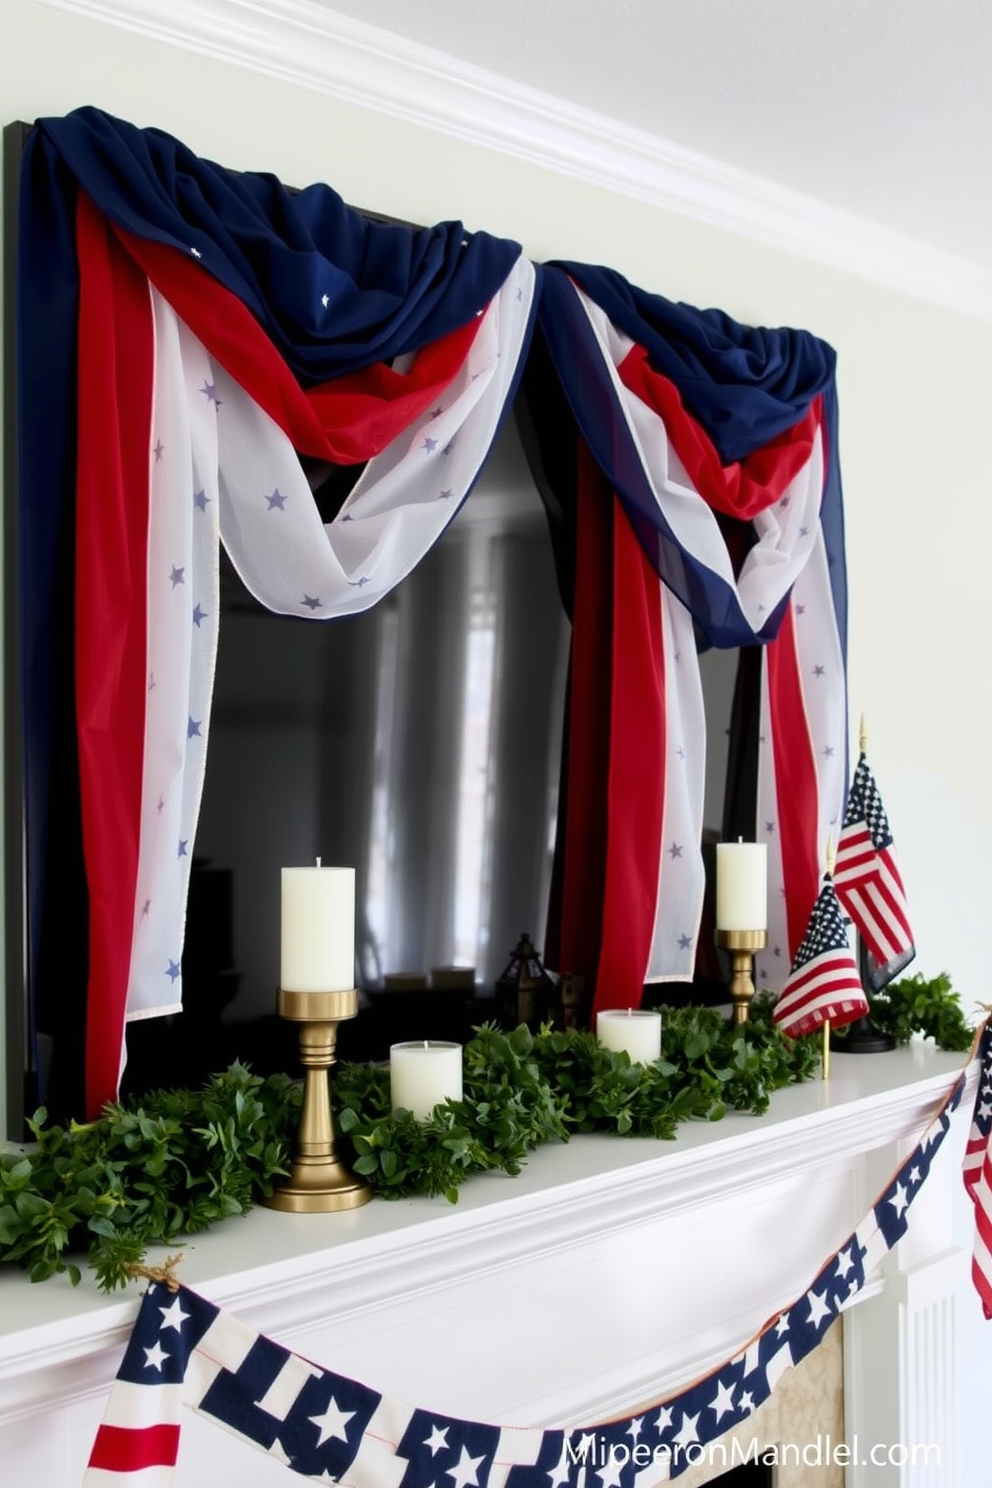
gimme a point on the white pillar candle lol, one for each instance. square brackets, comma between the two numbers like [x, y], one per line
[634, 1030]
[318, 929]
[422, 1075]
[741, 886]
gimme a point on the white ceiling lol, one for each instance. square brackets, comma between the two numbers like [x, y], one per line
[880, 107]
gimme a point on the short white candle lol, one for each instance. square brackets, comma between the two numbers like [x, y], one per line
[318, 929]
[636, 1031]
[423, 1075]
[741, 886]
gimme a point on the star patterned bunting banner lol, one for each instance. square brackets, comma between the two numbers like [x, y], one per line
[184, 1351]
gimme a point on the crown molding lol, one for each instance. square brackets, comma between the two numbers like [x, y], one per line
[304, 43]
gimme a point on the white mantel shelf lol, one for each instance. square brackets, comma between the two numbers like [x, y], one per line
[683, 1248]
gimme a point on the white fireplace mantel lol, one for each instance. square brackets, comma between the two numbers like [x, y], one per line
[610, 1272]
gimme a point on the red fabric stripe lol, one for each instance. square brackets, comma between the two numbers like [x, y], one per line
[983, 1220]
[346, 420]
[118, 1449]
[636, 781]
[796, 788]
[743, 488]
[588, 738]
[112, 491]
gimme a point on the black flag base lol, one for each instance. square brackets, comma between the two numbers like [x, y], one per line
[860, 1037]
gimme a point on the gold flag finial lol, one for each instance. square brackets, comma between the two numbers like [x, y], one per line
[831, 856]
[863, 735]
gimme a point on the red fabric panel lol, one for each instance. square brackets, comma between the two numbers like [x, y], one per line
[346, 420]
[795, 782]
[118, 1449]
[744, 488]
[584, 806]
[636, 778]
[112, 491]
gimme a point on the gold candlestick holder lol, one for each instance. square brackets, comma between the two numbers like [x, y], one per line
[318, 1183]
[741, 945]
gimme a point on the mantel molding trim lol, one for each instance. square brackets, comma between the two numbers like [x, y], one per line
[306, 44]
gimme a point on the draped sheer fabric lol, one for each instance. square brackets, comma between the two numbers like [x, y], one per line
[190, 337]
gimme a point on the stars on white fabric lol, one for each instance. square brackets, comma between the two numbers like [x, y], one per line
[675, 851]
[311, 602]
[819, 670]
[177, 576]
[209, 391]
[172, 971]
[201, 499]
[429, 445]
[193, 728]
[199, 615]
[276, 501]
[158, 450]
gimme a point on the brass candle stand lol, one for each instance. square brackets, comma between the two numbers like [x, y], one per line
[318, 1182]
[741, 945]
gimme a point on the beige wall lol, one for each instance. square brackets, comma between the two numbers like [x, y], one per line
[914, 382]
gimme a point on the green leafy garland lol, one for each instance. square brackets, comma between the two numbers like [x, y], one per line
[175, 1162]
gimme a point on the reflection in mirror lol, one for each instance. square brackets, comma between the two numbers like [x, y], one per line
[418, 741]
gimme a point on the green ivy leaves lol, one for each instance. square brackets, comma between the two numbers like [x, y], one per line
[179, 1161]
[522, 1090]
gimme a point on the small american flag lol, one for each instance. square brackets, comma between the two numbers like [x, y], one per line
[868, 882]
[978, 1173]
[824, 984]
